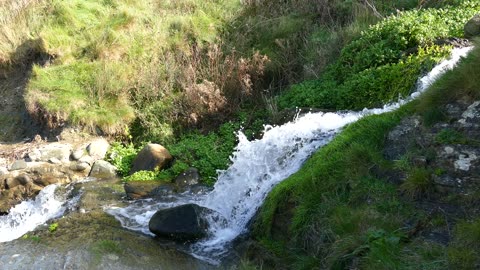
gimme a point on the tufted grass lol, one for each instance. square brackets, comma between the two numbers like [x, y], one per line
[342, 212]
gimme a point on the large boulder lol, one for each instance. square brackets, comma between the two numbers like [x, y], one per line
[151, 157]
[472, 28]
[103, 169]
[183, 223]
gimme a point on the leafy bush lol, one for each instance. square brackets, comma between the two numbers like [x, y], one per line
[122, 156]
[208, 153]
[384, 62]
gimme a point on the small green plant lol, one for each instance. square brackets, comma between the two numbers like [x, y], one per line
[419, 181]
[450, 136]
[142, 176]
[53, 227]
[121, 156]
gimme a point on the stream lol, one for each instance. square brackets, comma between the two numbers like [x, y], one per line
[88, 213]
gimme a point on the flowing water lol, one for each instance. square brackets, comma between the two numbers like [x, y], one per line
[257, 166]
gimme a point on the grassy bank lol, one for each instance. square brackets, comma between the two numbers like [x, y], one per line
[341, 211]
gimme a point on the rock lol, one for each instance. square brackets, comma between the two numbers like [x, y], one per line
[11, 183]
[54, 160]
[46, 180]
[55, 150]
[35, 155]
[102, 169]
[18, 165]
[187, 178]
[3, 171]
[182, 223]
[472, 28]
[471, 114]
[151, 157]
[98, 148]
[465, 161]
[23, 179]
[197, 189]
[76, 155]
[79, 166]
[162, 191]
[141, 189]
[87, 159]
[402, 138]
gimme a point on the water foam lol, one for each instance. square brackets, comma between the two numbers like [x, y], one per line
[26, 216]
[257, 166]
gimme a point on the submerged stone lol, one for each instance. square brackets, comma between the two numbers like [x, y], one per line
[183, 223]
[187, 178]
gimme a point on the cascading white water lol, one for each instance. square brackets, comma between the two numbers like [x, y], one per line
[27, 215]
[257, 166]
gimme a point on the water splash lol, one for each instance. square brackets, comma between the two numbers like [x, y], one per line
[257, 166]
[26, 216]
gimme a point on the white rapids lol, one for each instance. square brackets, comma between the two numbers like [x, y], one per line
[26, 216]
[257, 166]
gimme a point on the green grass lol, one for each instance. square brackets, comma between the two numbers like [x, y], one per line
[441, 92]
[343, 213]
[384, 62]
[464, 251]
[115, 59]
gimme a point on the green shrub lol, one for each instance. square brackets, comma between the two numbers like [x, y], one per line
[384, 63]
[208, 153]
[122, 156]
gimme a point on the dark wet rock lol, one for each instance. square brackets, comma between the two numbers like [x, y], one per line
[102, 169]
[151, 157]
[455, 42]
[183, 223]
[162, 191]
[472, 28]
[142, 189]
[197, 189]
[187, 178]
[18, 165]
[98, 148]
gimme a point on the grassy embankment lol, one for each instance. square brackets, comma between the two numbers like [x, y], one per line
[340, 212]
[174, 71]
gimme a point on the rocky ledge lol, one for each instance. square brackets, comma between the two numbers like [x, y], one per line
[26, 169]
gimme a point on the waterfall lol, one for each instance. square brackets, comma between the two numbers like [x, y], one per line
[257, 166]
[26, 216]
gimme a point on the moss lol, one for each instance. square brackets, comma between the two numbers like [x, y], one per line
[464, 253]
